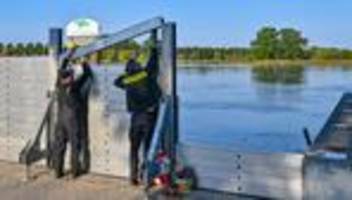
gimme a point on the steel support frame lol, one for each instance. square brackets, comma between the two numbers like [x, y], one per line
[121, 36]
[56, 48]
[169, 52]
[168, 62]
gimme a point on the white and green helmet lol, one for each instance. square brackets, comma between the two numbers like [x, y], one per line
[83, 27]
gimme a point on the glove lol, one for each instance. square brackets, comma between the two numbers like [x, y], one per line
[118, 82]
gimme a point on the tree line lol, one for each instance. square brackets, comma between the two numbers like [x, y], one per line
[23, 49]
[214, 54]
[270, 43]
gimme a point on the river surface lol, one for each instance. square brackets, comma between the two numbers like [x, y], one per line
[258, 109]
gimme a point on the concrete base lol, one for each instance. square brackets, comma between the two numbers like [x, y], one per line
[43, 186]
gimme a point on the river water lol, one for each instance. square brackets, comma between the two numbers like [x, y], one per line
[258, 108]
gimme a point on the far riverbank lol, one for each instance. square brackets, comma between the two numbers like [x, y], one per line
[283, 63]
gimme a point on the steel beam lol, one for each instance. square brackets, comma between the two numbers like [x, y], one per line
[169, 52]
[126, 34]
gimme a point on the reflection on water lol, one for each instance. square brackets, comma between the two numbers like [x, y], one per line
[279, 85]
[259, 108]
[204, 70]
[279, 74]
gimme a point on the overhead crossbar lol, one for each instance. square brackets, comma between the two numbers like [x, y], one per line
[121, 36]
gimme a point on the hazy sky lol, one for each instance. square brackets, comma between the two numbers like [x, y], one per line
[200, 22]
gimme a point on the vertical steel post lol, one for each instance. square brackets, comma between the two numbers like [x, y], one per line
[55, 49]
[169, 62]
[55, 42]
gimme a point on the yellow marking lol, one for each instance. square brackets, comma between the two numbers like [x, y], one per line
[135, 78]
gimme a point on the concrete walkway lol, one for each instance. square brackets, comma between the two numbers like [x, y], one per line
[45, 187]
[89, 187]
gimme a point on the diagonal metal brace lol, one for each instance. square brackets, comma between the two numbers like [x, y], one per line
[32, 152]
[121, 36]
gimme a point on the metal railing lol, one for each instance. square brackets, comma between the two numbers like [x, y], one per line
[326, 132]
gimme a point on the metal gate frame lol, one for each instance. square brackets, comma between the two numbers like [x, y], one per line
[157, 27]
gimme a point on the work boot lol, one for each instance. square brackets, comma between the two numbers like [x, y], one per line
[58, 174]
[75, 174]
[72, 176]
[135, 182]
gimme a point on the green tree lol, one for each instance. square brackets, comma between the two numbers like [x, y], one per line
[319, 53]
[286, 43]
[29, 49]
[291, 44]
[39, 49]
[265, 46]
[20, 49]
[2, 49]
[10, 49]
[46, 50]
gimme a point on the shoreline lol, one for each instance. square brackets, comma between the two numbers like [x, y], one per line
[232, 64]
[265, 63]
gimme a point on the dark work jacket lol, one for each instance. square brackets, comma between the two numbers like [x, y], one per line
[141, 85]
[70, 99]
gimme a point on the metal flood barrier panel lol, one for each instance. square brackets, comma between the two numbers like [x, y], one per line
[270, 175]
[108, 118]
[24, 86]
[327, 166]
[108, 124]
[327, 178]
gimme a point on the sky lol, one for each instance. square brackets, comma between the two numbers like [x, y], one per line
[199, 22]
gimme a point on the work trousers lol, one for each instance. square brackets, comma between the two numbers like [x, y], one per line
[141, 132]
[67, 131]
[84, 152]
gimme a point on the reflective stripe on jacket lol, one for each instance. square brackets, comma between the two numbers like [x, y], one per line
[134, 78]
[141, 84]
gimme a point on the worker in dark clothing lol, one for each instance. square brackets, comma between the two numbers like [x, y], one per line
[143, 95]
[68, 128]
